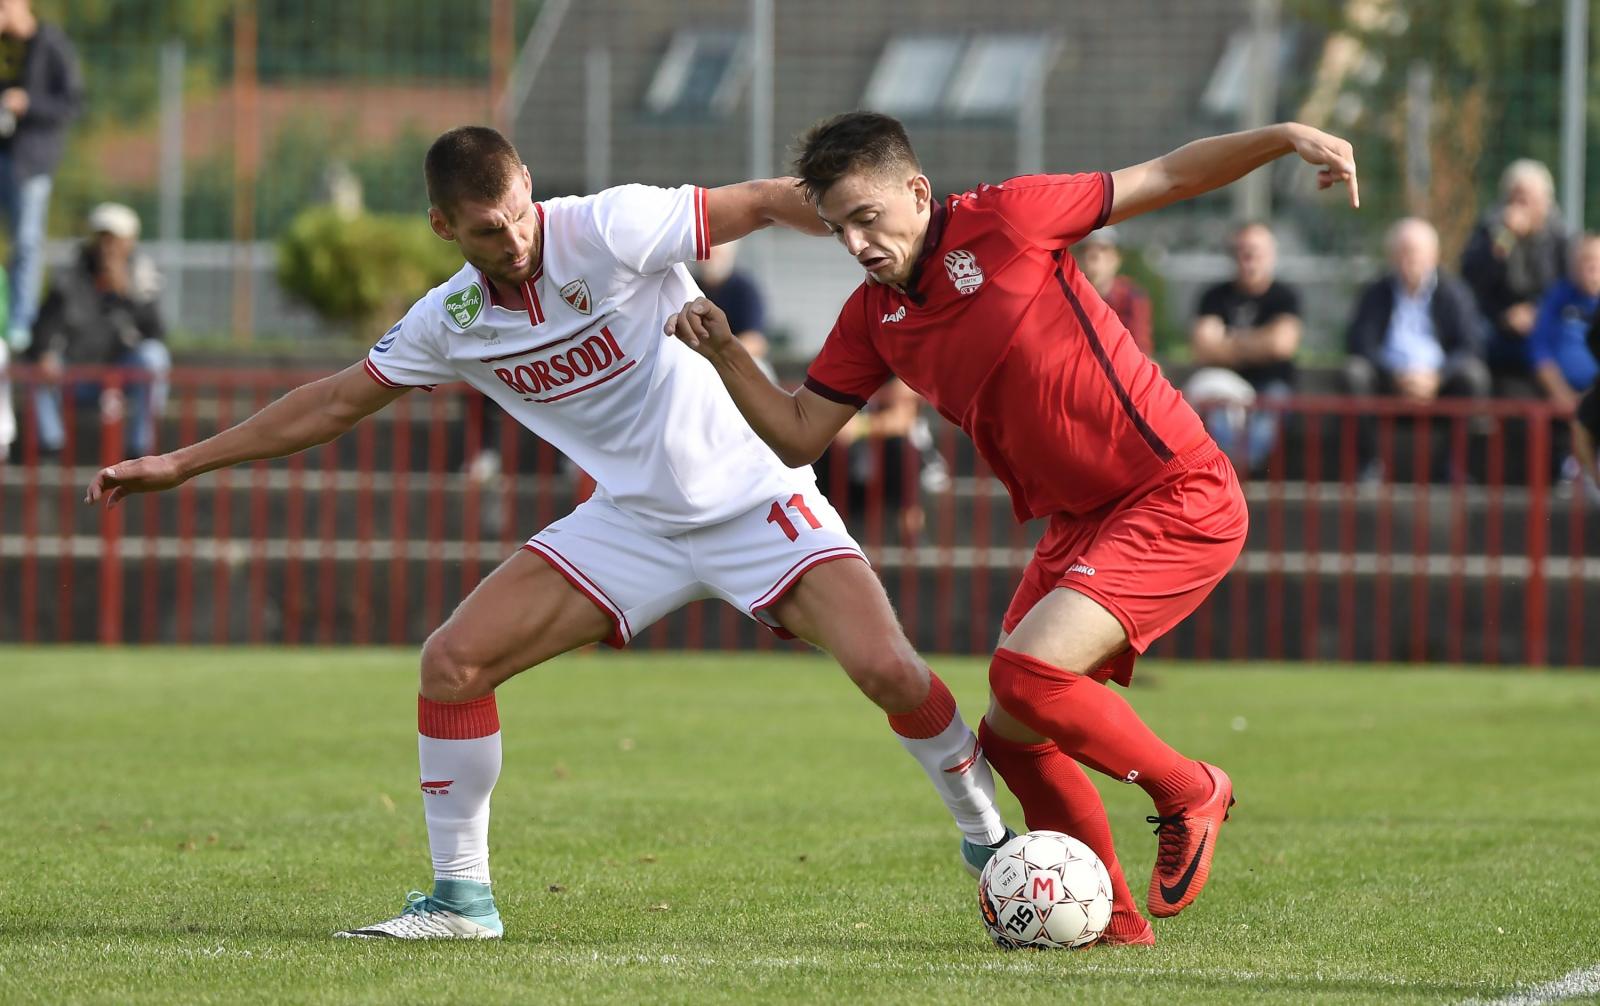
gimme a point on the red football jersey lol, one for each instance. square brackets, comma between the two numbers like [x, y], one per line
[1001, 332]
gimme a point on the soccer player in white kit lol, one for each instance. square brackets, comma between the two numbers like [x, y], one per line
[557, 316]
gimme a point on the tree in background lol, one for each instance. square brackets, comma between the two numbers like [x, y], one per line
[1493, 94]
[362, 270]
[339, 43]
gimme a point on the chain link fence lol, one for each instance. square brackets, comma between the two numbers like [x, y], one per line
[219, 122]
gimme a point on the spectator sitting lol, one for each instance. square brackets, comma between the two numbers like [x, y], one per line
[1245, 335]
[1100, 258]
[1558, 344]
[1514, 255]
[740, 298]
[1416, 332]
[101, 311]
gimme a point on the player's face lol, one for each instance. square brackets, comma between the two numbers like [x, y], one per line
[501, 236]
[881, 219]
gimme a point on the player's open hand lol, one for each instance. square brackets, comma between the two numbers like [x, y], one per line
[702, 327]
[141, 475]
[1333, 155]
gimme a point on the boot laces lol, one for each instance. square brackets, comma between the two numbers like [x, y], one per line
[1172, 837]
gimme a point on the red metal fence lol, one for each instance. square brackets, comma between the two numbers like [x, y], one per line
[1380, 531]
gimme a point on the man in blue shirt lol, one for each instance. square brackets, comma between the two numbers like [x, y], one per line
[1558, 343]
[1416, 333]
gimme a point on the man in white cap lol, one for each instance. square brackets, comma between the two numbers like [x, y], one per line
[102, 312]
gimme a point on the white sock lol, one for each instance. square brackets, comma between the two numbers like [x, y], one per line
[458, 750]
[961, 776]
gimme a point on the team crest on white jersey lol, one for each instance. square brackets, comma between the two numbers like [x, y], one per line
[464, 306]
[576, 294]
[963, 270]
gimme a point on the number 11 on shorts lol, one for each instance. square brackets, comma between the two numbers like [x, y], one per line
[796, 503]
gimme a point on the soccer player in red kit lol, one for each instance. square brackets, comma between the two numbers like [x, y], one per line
[975, 303]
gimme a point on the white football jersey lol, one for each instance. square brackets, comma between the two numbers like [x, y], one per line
[586, 366]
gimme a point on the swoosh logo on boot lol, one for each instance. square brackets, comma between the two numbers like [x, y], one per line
[1174, 894]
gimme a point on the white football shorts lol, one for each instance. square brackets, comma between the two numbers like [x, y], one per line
[750, 561]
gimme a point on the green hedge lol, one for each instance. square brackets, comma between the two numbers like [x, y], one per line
[362, 271]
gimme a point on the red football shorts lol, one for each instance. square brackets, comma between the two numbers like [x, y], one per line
[1149, 558]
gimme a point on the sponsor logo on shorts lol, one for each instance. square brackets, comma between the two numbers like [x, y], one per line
[1132, 776]
[1083, 568]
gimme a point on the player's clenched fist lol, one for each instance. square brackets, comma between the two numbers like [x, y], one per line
[702, 326]
[141, 475]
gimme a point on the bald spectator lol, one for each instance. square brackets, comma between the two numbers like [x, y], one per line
[1100, 257]
[1244, 338]
[1516, 253]
[1416, 332]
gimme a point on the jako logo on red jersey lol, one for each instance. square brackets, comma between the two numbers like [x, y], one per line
[1079, 567]
[899, 315]
[963, 270]
[597, 358]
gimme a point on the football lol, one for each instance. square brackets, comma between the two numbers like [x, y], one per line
[1044, 890]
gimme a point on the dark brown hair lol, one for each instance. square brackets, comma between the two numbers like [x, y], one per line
[854, 141]
[469, 162]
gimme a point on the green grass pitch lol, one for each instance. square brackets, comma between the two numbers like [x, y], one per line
[191, 825]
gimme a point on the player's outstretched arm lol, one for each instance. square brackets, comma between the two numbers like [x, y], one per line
[1215, 161]
[798, 427]
[732, 211]
[309, 415]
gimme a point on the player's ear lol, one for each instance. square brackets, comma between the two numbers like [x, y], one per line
[440, 224]
[527, 179]
[921, 191]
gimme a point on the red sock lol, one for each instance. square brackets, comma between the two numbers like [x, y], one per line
[1057, 796]
[458, 720]
[930, 718]
[1096, 726]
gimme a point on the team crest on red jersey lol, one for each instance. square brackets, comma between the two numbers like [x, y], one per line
[963, 270]
[576, 294]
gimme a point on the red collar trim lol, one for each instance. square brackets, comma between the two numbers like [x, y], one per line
[937, 220]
